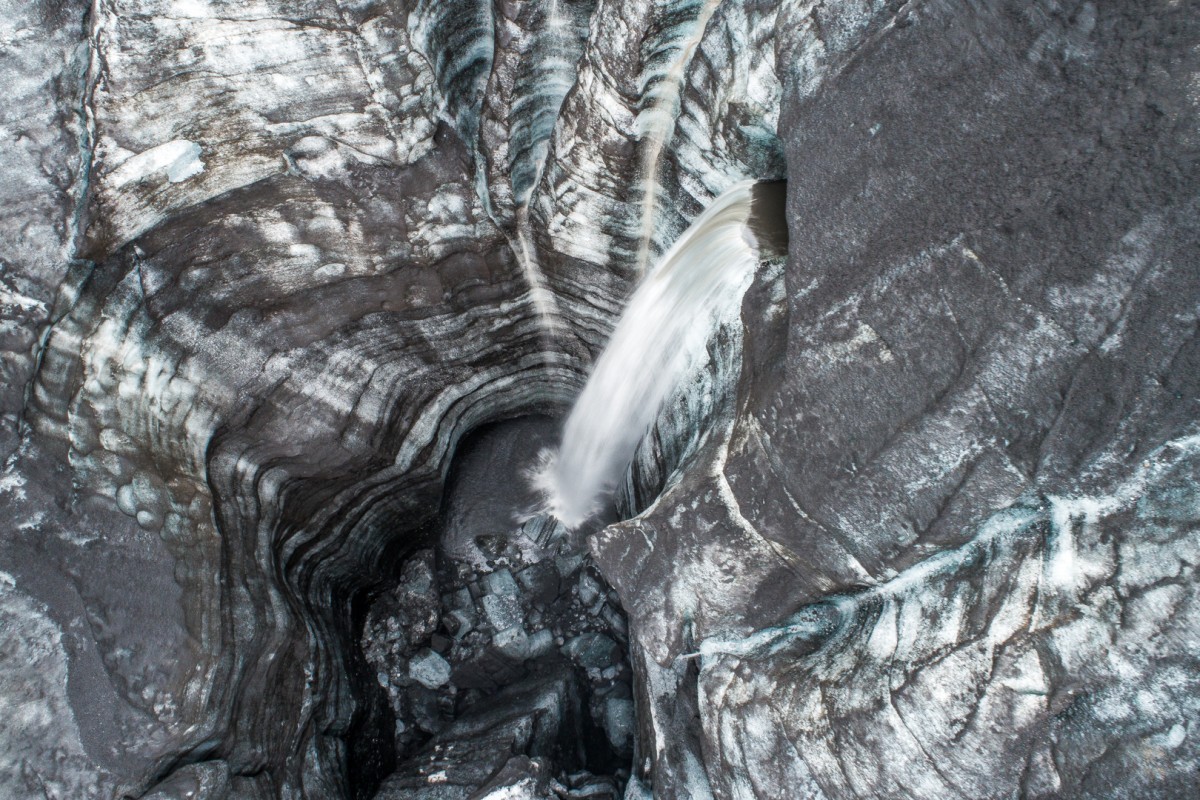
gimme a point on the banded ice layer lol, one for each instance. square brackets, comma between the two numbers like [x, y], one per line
[663, 329]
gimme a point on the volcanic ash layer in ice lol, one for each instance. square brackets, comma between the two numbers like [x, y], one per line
[920, 521]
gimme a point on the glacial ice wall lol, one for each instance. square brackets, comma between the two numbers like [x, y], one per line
[923, 524]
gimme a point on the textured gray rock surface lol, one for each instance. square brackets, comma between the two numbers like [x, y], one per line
[925, 526]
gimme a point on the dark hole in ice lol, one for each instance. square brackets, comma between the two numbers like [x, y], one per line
[501, 651]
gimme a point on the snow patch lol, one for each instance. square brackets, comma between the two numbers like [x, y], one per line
[14, 299]
[178, 160]
[329, 271]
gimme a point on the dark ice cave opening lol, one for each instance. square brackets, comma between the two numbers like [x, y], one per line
[498, 656]
[500, 653]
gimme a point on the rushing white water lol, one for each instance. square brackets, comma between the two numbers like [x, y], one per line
[662, 332]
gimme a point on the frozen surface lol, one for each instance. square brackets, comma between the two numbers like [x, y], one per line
[916, 518]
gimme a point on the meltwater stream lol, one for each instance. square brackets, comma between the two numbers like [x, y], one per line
[662, 332]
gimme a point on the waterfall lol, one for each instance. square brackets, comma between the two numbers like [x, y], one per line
[662, 332]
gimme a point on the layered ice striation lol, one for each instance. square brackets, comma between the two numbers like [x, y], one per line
[263, 267]
[664, 329]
